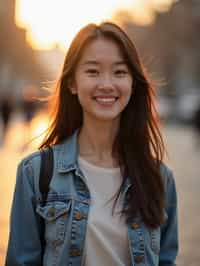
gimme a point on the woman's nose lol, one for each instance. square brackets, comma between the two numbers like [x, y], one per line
[106, 83]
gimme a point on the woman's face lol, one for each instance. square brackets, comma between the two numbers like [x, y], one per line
[103, 82]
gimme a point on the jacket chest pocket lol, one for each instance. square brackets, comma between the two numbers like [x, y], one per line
[56, 216]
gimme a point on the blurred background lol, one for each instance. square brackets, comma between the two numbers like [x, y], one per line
[34, 37]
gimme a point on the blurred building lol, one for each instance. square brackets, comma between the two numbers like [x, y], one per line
[19, 66]
[170, 50]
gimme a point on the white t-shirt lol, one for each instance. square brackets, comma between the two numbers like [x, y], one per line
[106, 238]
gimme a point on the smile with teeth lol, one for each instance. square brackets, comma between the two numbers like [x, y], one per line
[105, 100]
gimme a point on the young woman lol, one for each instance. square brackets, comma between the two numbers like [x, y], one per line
[111, 200]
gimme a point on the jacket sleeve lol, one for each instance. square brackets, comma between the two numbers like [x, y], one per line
[169, 230]
[24, 246]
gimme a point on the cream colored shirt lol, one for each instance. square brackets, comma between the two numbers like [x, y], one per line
[106, 237]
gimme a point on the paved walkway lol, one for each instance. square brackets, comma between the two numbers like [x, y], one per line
[184, 160]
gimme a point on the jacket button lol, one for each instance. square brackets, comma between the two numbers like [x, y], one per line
[75, 252]
[135, 225]
[51, 212]
[138, 258]
[79, 216]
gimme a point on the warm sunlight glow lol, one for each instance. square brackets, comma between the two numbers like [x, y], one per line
[51, 23]
[56, 22]
[27, 136]
[39, 126]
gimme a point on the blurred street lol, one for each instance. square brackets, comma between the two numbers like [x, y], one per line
[184, 159]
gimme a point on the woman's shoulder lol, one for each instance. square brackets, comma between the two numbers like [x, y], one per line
[168, 181]
[28, 170]
[32, 158]
[27, 175]
[166, 172]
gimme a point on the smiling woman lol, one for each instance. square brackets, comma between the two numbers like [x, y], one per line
[111, 200]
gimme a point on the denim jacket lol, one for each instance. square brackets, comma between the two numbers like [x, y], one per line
[66, 214]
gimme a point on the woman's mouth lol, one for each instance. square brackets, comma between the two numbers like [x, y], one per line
[105, 100]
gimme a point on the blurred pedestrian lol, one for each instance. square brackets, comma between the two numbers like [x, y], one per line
[111, 200]
[29, 106]
[6, 109]
[196, 123]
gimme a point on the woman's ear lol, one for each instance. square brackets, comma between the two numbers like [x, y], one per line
[72, 87]
[73, 90]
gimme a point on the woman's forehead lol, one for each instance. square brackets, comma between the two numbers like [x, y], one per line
[102, 49]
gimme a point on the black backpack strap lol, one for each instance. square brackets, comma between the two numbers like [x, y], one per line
[46, 172]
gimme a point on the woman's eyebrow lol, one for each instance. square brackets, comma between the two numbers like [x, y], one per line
[90, 62]
[120, 63]
[94, 62]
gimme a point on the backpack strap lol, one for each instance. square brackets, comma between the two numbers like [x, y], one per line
[46, 171]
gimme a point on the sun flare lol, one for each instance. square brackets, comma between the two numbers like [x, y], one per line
[51, 23]
[54, 23]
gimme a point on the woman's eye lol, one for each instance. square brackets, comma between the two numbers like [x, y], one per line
[92, 71]
[121, 72]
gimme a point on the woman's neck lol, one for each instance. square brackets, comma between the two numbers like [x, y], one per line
[96, 142]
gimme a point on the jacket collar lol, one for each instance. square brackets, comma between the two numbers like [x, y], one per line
[68, 154]
[67, 158]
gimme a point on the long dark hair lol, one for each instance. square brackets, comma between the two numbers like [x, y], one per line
[138, 144]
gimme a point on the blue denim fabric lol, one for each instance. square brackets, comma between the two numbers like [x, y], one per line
[66, 214]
